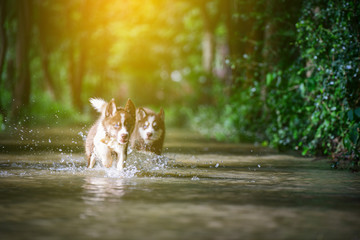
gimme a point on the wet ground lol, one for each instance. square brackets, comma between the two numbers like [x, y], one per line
[199, 189]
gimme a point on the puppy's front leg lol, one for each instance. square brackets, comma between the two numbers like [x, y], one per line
[91, 160]
[104, 152]
[107, 161]
[122, 155]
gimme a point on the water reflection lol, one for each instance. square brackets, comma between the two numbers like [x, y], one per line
[99, 189]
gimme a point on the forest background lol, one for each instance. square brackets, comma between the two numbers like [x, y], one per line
[277, 72]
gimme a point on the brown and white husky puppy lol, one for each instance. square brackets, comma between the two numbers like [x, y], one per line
[115, 124]
[149, 131]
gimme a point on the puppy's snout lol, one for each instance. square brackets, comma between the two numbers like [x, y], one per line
[149, 134]
[124, 135]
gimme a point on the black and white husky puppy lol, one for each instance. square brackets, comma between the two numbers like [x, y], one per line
[149, 132]
[114, 125]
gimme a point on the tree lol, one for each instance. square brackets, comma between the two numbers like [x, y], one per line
[21, 94]
[43, 17]
[3, 45]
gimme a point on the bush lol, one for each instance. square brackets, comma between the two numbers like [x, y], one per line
[311, 104]
[318, 109]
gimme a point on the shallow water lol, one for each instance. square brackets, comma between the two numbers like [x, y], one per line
[199, 189]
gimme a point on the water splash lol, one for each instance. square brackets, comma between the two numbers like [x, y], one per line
[140, 164]
[195, 178]
[82, 135]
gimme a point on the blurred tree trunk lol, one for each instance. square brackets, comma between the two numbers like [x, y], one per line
[45, 53]
[2, 48]
[244, 37]
[268, 62]
[76, 74]
[2, 35]
[21, 94]
[226, 49]
[208, 41]
[208, 50]
[207, 62]
[49, 82]
[78, 55]
[208, 45]
[230, 7]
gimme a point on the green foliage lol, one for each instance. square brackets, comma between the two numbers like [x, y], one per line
[47, 112]
[236, 118]
[44, 111]
[307, 97]
[318, 111]
[177, 116]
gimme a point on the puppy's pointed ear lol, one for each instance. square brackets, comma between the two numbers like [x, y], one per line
[110, 109]
[162, 114]
[130, 107]
[141, 114]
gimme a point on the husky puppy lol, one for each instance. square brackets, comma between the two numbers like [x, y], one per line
[114, 123]
[149, 131]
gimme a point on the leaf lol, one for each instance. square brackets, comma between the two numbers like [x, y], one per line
[347, 143]
[305, 151]
[302, 89]
[350, 115]
[357, 112]
[269, 79]
[354, 134]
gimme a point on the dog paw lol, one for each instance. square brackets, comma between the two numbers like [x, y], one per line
[120, 167]
[108, 164]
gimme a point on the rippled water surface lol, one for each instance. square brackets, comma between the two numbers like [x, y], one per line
[198, 189]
